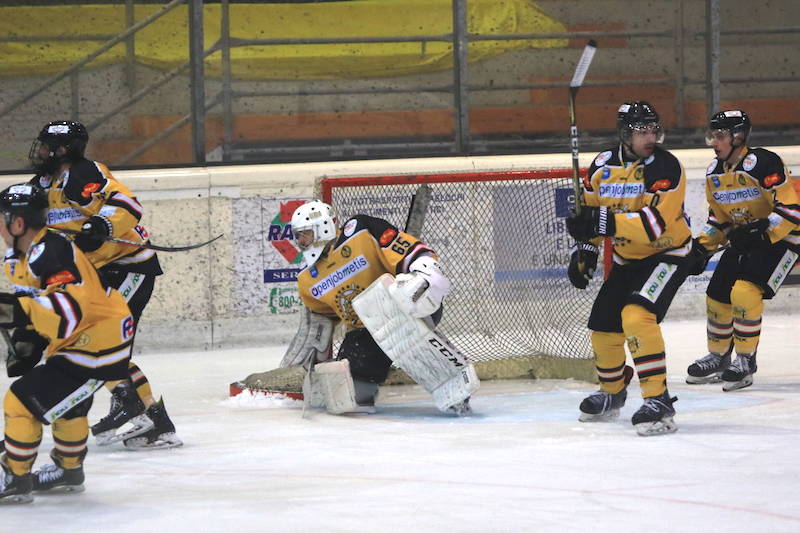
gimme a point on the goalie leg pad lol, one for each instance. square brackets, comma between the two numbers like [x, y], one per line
[312, 342]
[425, 355]
[335, 384]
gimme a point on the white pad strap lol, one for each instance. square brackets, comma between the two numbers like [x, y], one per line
[335, 386]
[312, 342]
[425, 355]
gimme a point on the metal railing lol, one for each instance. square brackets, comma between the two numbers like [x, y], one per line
[462, 142]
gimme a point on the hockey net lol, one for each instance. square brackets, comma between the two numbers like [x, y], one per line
[503, 243]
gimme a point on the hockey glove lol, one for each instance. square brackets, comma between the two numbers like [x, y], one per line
[582, 264]
[11, 313]
[590, 223]
[750, 237]
[698, 258]
[93, 233]
[28, 349]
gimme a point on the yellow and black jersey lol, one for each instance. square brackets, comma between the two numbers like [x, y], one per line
[647, 198]
[89, 326]
[88, 189]
[758, 187]
[365, 248]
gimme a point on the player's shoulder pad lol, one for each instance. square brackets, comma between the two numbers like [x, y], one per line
[662, 171]
[52, 260]
[765, 166]
[380, 229]
[84, 180]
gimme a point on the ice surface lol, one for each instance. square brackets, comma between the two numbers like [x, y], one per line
[522, 463]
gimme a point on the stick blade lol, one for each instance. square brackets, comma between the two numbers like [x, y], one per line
[583, 64]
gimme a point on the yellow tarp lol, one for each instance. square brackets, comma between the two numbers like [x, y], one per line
[164, 44]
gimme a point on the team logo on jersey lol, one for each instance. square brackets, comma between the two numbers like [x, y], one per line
[36, 251]
[749, 162]
[339, 276]
[350, 227]
[387, 237]
[59, 278]
[601, 159]
[772, 179]
[346, 251]
[128, 328]
[711, 166]
[661, 185]
[142, 232]
[83, 340]
[344, 301]
[606, 173]
[89, 189]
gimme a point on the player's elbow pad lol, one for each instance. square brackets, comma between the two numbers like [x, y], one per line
[420, 292]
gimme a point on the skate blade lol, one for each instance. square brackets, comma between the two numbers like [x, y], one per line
[163, 442]
[61, 489]
[736, 385]
[608, 416]
[141, 424]
[660, 427]
[16, 499]
[695, 380]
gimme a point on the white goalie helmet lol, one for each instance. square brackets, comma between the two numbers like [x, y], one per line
[314, 216]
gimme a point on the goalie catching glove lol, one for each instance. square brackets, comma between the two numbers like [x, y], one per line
[420, 292]
[582, 264]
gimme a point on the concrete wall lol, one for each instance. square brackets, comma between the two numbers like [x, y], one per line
[215, 296]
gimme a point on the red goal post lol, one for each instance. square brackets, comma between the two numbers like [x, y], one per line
[503, 243]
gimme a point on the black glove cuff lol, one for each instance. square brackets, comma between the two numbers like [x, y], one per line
[606, 225]
[585, 247]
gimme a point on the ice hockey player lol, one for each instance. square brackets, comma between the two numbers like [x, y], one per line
[85, 331]
[340, 265]
[83, 195]
[754, 207]
[634, 193]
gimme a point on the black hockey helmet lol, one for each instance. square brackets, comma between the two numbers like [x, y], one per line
[632, 116]
[26, 201]
[734, 121]
[70, 134]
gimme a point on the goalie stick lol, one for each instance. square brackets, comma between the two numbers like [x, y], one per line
[149, 245]
[574, 86]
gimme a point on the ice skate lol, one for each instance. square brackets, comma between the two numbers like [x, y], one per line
[461, 408]
[15, 489]
[55, 479]
[161, 437]
[602, 406]
[708, 369]
[740, 373]
[126, 408]
[655, 416]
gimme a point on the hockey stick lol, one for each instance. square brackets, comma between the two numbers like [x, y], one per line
[574, 86]
[149, 245]
[418, 210]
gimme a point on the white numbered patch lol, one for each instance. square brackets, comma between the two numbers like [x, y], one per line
[350, 227]
[749, 162]
[601, 159]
